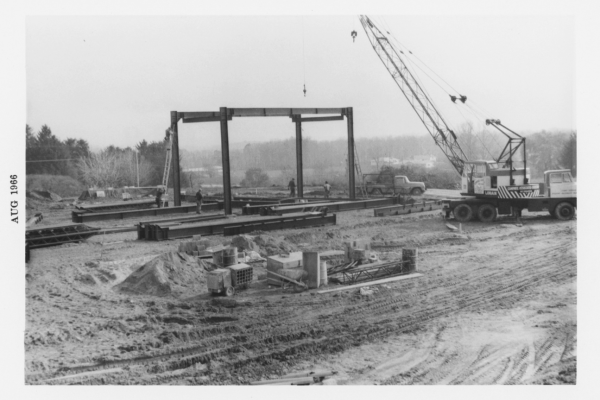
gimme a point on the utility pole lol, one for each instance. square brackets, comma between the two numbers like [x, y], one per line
[137, 169]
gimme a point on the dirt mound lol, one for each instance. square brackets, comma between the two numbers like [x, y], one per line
[270, 245]
[244, 243]
[44, 195]
[167, 274]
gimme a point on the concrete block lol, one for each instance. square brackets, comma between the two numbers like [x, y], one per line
[293, 260]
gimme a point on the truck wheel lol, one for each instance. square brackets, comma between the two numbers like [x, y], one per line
[230, 291]
[463, 213]
[486, 213]
[416, 192]
[564, 211]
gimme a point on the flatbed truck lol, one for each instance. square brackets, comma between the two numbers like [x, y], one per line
[557, 195]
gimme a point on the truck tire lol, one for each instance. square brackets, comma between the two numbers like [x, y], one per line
[486, 213]
[230, 291]
[463, 213]
[416, 192]
[564, 211]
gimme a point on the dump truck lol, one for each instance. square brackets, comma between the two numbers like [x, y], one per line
[388, 184]
[227, 280]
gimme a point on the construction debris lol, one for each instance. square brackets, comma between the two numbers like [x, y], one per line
[300, 378]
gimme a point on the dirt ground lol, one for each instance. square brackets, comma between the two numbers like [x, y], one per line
[495, 305]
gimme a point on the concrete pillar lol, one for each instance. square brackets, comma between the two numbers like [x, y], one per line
[312, 265]
[351, 181]
[299, 176]
[175, 161]
[225, 160]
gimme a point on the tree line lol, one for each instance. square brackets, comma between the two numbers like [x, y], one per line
[545, 150]
[116, 167]
[112, 166]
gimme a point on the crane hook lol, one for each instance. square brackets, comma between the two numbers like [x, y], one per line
[353, 34]
[304, 90]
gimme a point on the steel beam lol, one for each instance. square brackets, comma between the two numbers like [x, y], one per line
[317, 119]
[331, 206]
[225, 158]
[89, 217]
[123, 205]
[351, 181]
[168, 231]
[299, 177]
[401, 209]
[278, 225]
[175, 161]
[143, 228]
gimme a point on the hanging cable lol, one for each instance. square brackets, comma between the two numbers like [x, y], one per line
[303, 59]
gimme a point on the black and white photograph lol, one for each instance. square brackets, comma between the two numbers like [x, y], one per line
[377, 195]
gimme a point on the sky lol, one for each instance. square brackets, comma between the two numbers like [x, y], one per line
[113, 80]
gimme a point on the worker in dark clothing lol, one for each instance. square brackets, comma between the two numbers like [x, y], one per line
[199, 201]
[292, 187]
[327, 188]
[159, 194]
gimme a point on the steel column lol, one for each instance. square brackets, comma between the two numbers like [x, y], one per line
[175, 161]
[225, 158]
[299, 177]
[351, 183]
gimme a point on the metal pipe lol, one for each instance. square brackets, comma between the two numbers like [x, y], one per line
[225, 159]
[299, 177]
[351, 184]
[175, 161]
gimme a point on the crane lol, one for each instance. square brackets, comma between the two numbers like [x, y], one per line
[443, 136]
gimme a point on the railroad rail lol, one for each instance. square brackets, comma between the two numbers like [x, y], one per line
[54, 235]
[165, 231]
[401, 209]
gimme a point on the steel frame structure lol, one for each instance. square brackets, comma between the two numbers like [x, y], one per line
[225, 114]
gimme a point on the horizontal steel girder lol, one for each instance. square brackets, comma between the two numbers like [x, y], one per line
[332, 206]
[89, 217]
[162, 232]
[125, 205]
[189, 116]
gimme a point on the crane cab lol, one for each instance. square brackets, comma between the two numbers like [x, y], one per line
[493, 179]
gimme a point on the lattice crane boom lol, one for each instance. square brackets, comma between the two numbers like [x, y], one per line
[443, 136]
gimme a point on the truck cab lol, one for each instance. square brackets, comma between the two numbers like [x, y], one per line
[558, 183]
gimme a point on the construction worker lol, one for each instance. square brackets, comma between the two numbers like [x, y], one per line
[159, 194]
[199, 201]
[327, 188]
[292, 187]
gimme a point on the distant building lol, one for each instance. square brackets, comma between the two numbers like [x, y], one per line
[426, 161]
[382, 161]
